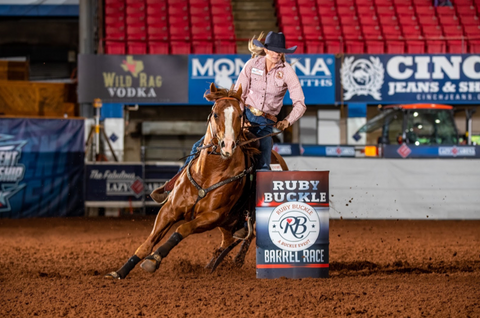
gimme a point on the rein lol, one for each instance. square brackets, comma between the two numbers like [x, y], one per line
[202, 192]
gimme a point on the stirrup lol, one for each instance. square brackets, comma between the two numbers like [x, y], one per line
[239, 234]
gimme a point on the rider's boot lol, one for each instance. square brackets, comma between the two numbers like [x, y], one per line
[160, 194]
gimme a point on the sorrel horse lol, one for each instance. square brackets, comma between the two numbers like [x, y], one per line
[207, 190]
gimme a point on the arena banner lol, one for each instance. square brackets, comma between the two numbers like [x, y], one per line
[35, 8]
[408, 78]
[315, 72]
[292, 224]
[446, 151]
[121, 184]
[155, 79]
[41, 167]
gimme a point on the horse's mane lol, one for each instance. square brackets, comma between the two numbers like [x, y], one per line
[248, 149]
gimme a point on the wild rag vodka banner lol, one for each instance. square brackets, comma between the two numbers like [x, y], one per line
[439, 78]
[292, 214]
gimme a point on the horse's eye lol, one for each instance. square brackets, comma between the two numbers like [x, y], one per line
[215, 115]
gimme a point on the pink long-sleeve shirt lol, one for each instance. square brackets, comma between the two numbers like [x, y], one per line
[265, 91]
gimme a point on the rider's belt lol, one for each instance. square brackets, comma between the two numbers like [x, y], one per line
[258, 112]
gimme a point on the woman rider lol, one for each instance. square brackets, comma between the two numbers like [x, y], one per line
[265, 79]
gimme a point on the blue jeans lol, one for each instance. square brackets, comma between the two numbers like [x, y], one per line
[260, 130]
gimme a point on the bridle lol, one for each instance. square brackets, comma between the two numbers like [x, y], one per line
[214, 133]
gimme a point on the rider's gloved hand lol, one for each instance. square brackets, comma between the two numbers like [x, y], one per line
[281, 125]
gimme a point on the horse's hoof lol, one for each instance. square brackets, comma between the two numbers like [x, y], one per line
[112, 275]
[151, 263]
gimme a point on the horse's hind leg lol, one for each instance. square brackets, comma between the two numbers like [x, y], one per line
[163, 223]
[227, 239]
[200, 224]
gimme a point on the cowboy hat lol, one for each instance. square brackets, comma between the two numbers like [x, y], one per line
[275, 42]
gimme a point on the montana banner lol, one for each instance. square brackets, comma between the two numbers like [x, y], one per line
[292, 224]
[41, 167]
[155, 79]
[315, 72]
[439, 78]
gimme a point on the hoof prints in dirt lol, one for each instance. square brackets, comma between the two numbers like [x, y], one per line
[365, 268]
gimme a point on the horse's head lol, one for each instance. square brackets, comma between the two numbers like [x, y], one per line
[226, 118]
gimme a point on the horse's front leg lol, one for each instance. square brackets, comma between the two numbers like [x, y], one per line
[203, 222]
[163, 222]
[227, 239]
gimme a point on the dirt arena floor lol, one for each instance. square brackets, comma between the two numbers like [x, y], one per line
[55, 268]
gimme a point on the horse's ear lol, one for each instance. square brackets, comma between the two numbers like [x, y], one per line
[239, 92]
[213, 88]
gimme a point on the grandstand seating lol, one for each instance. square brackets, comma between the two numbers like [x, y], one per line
[380, 26]
[169, 27]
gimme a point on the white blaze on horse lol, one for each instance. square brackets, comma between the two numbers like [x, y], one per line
[209, 193]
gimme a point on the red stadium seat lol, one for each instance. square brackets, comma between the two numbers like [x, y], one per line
[202, 47]
[329, 20]
[374, 47]
[334, 46]
[325, 11]
[155, 10]
[427, 20]
[307, 11]
[178, 19]
[311, 20]
[224, 31]
[456, 46]
[407, 20]
[135, 19]
[179, 32]
[474, 46]
[432, 31]
[415, 46]
[311, 3]
[220, 19]
[150, 2]
[351, 32]
[225, 47]
[312, 33]
[366, 11]
[220, 2]
[194, 19]
[453, 31]
[405, 10]
[289, 20]
[112, 19]
[285, 3]
[346, 11]
[287, 11]
[465, 10]
[202, 32]
[136, 9]
[368, 20]
[411, 31]
[436, 47]
[134, 47]
[199, 9]
[345, 3]
[364, 3]
[371, 32]
[136, 32]
[448, 20]
[325, 3]
[115, 8]
[386, 10]
[468, 20]
[388, 20]
[394, 47]
[445, 11]
[314, 47]
[225, 10]
[425, 10]
[292, 32]
[112, 47]
[399, 3]
[331, 32]
[174, 10]
[157, 32]
[393, 30]
[354, 47]
[203, 2]
[180, 47]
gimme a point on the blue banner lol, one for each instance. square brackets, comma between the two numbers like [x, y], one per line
[315, 72]
[439, 78]
[32, 8]
[41, 167]
[450, 152]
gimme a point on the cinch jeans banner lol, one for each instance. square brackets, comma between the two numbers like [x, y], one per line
[41, 167]
[439, 78]
[315, 72]
[292, 215]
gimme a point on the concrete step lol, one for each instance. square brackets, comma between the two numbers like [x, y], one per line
[266, 25]
[254, 15]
